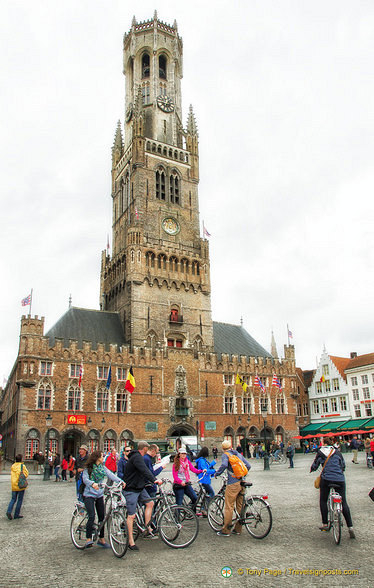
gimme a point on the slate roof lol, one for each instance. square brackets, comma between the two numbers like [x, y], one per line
[235, 340]
[82, 324]
[98, 326]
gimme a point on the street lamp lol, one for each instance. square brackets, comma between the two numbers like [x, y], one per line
[264, 414]
[245, 436]
[47, 470]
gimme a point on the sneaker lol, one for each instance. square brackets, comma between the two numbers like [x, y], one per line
[324, 528]
[133, 547]
[233, 532]
[149, 535]
[221, 534]
[103, 545]
[89, 544]
[351, 533]
[9, 515]
[19, 517]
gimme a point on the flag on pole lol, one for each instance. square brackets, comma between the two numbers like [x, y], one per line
[130, 381]
[206, 232]
[240, 381]
[259, 383]
[322, 379]
[26, 301]
[81, 372]
[107, 244]
[290, 334]
[108, 382]
[276, 382]
[136, 213]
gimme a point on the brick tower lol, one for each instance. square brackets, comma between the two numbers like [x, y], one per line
[158, 278]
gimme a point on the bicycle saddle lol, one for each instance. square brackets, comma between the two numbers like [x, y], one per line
[246, 484]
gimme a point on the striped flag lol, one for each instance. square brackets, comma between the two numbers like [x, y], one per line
[81, 372]
[26, 301]
[276, 382]
[259, 383]
[130, 381]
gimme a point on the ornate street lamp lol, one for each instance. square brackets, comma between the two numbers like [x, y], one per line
[47, 470]
[264, 414]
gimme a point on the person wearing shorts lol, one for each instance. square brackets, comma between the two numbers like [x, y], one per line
[136, 476]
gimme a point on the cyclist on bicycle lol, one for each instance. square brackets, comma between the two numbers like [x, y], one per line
[333, 473]
[181, 476]
[93, 494]
[234, 491]
[136, 476]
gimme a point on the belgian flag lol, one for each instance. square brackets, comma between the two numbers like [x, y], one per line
[130, 381]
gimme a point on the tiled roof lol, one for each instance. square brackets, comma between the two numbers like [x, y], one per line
[308, 377]
[341, 364]
[360, 360]
[235, 340]
[82, 324]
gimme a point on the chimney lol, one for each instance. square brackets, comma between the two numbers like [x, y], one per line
[353, 354]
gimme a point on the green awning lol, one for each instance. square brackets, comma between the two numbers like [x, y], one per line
[311, 428]
[354, 424]
[331, 426]
[369, 424]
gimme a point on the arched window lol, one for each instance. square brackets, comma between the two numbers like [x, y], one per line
[174, 189]
[121, 401]
[160, 185]
[146, 70]
[173, 264]
[161, 261]
[74, 398]
[32, 444]
[150, 259]
[162, 63]
[146, 93]
[45, 396]
[102, 399]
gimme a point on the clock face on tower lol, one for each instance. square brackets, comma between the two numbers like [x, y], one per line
[170, 226]
[165, 103]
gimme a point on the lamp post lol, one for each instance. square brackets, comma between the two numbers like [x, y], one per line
[264, 413]
[245, 437]
[47, 470]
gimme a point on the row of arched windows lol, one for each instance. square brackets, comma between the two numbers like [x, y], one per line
[172, 263]
[167, 189]
[162, 66]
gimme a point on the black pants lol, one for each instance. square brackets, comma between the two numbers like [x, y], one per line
[324, 491]
[90, 504]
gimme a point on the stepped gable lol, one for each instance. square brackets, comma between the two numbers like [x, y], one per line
[82, 324]
[341, 364]
[234, 340]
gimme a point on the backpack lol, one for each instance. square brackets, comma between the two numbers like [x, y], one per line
[239, 468]
[22, 481]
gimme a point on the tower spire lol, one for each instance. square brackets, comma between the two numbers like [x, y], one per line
[273, 347]
[117, 149]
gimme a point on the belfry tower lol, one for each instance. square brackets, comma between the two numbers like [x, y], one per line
[158, 278]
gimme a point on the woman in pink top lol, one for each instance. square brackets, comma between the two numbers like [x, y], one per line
[181, 476]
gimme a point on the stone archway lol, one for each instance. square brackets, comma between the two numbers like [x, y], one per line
[71, 440]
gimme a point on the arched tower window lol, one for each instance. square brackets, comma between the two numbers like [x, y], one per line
[146, 93]
[162, 66]
[161, 261]
[160, 185]
[174, 189]
[150, 259]
[146, 70]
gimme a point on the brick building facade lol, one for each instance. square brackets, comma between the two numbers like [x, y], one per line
[155, 309]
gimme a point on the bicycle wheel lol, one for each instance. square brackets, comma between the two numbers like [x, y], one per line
[258, 519]
[215, 512]
[337, 524]
[282, 459]
[271, 459]
[117, 532]
[178, 526]
[78, 528]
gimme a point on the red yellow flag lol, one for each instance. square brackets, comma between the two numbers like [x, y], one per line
[130, 381]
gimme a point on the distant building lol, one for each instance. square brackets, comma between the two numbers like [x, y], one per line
[155, 303]
[360, 383]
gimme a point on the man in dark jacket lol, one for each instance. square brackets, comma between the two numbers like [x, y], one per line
[136, 475]
[354, 447]
[152, 451]
[80, 464]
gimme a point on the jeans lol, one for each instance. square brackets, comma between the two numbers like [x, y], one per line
[17, 497]
[90, 504]
[324, 491]
[180, 491]
[208, 489]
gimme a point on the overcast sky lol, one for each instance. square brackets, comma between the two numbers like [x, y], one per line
[283, 96]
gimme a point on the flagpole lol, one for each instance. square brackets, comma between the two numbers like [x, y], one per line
[288, 335]
[30, 301]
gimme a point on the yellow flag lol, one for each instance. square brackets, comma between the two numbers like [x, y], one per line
[240, 381]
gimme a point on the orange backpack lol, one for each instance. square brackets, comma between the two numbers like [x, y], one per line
[239, 468]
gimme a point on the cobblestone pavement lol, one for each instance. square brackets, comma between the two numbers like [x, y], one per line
[37, 551]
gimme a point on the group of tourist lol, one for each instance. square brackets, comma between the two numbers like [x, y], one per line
[135, 469]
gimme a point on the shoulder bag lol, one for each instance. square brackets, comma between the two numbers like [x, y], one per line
[22, 481]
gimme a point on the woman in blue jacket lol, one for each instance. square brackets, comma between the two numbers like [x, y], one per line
[202, 463]
[93, 495]
[333, 473]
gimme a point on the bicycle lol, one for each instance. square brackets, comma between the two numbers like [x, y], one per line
[255, 514]
[280, 458]
[335, 514]
[114, 518]
[177, 525]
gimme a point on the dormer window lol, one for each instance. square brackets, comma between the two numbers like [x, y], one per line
[162, 67]
[146, 70]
